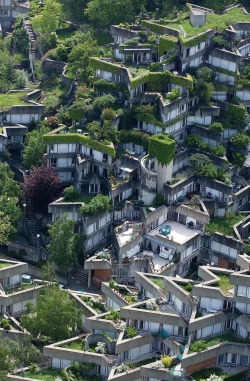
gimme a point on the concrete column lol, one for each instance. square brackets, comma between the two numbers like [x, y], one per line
[89, 279]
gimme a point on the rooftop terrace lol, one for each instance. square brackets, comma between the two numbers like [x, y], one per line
[179, 234]
[12, 98]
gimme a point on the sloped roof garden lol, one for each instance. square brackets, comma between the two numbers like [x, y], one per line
[12, 98]
[213, 21]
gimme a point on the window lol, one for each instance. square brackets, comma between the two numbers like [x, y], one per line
[52, 162]
[93, 188]
[51, 148]
[97, 225]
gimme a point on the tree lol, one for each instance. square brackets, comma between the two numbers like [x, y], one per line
[74, 9]
[6, 229]
[8, 186]
[206, 74]
[14, 353]
[34, 148]
[62, 242]
[11, 214]
[103, 13]
[216, 127]
[50, 18]
[48, 273]
[55, 314]
[98, 204]
[108, 114]
[42, 186]
[193, 141]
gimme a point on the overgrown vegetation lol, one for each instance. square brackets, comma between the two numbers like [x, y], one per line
[224, 225]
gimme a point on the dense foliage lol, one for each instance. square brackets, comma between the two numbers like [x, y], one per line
[98, 204]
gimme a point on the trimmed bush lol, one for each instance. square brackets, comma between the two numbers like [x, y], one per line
[162, 148]
[166, 361]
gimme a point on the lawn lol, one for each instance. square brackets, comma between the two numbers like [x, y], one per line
[203, 344]
[44, 375]
[158, 282]
[225, 224]
[214, 21]
[186, 286]
[224, 284]
[78, 345]
[12, 98]
[5, 264]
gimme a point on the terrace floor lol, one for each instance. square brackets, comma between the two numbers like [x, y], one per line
[180, 234]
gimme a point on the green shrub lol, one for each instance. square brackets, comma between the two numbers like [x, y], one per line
[131, 332]
[198, 346]
[7, 327]
[71, 193]
[166, 361]
[216, 127]
[98, 204]
[192, 141]
[162, 148]
[4, 322]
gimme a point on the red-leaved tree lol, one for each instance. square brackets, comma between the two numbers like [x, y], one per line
[41, 187]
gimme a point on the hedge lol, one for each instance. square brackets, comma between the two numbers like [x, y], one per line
[162, 148]
[190, 42]
[81, 139]
[97, 63]
[143, 78]
[166, 43]
[226, 72]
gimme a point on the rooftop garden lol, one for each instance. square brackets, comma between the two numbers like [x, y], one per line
[19, 287]
[5, 264]
[186, 286]
[42, 374]
[218, 22]
[98, 204]
[206, 373]
[223, 284]
[130, 365]
[224, 225]
[103, 146]
[78, 345]
[12, 98]
[94, 303]
[203, 344]
[158, 282]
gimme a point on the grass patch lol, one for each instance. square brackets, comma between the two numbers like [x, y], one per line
[44, 375]
[5, 264]
[214, 21]
[12, 98]
[224, 225]
[78, 345]
[224, 284]
[186, 286]
[130, 298]
[158, 282]
[145, 362]
[203, 344]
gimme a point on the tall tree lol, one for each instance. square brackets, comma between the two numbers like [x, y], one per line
[62, 242]
[103, 13]
[42, 186]
[74, 9]
[8, 186]
[34, 148]
[55, 314]
[50, 17]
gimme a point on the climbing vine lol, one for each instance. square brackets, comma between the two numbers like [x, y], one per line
[162, 148]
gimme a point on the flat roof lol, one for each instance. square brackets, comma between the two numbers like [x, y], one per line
[179, 234]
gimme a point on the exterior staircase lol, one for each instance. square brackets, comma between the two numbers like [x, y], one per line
[32, 226]
[34, 53]
[81, 275]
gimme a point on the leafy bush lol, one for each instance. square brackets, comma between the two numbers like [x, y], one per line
[218, 150]
[216, 127]
[131, 332]
[124, 367]
[7, 327]
[71, 193]
[98, 204]
[4, 322]
[108, 114]
[166, 361]
[173, 95]
[112, 283]
[113, 315]
[240, 140]
[192, 141]
[151, 305]
[198, 346]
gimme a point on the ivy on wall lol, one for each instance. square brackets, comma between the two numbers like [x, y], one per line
[190, 42]
[134, 136]
[150, 119]
[162, 148]
[106, 147]
[155, 28]
[97, 63]
[166, 43]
